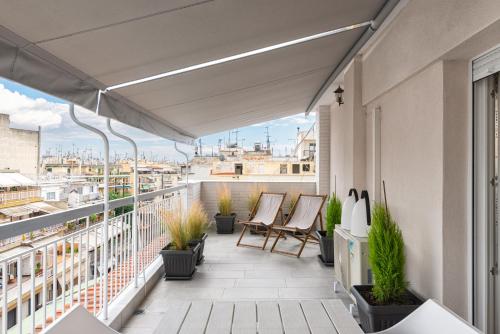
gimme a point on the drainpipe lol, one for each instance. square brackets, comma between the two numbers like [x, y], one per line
[187, 173]
[106, 201]
[136, 201]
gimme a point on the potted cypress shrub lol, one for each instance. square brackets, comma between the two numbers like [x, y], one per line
[197, 225]
[179, 258]
[225, 218]
[333, 217]
[388, 301]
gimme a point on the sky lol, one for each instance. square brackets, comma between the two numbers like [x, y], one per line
[29, 108]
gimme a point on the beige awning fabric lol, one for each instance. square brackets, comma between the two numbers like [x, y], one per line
[73, 49]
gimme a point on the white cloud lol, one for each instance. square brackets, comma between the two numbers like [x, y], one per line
[27, 112]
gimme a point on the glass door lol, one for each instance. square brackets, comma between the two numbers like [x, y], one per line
[486, 249]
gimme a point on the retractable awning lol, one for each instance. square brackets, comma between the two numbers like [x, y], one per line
[9, 179]
[73, 49]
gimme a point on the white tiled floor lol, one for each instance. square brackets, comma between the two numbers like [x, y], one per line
[240, 273]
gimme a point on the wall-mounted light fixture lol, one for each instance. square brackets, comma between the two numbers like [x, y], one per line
[338, 95]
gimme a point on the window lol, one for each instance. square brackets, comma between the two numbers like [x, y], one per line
[11, 318]
[51, 196]
[283, 169]
[296, 168]
[306, 167]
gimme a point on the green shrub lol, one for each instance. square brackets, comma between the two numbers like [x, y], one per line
[333, 214]
[386, 256]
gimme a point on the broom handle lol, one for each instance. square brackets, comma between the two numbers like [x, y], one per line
[385, 196]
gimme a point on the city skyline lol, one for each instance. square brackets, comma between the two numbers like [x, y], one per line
[29, 108]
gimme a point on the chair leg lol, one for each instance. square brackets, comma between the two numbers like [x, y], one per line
[303, 245]
[276, 241]
[268, 234]
[241, 236]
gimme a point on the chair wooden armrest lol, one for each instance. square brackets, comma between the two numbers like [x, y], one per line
[285, 228]
[251, 223]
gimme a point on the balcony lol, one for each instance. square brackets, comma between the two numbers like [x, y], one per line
[73, 264]
[406, 102]
[13, 198]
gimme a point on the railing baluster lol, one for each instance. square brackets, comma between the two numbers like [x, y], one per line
[32, 294]
[79, 268]
[120, 264]
[114, 259]
[20, 294]
[54, 282]
[44, 286]
[103, 269]
[95, 270]
[4, 297]
[87, 262]
[111, 280]
[72, 271]
[63, 276]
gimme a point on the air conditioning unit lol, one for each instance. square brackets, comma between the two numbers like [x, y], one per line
[351, 259]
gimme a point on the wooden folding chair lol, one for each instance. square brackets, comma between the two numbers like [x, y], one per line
[263, 215]
[300, 222]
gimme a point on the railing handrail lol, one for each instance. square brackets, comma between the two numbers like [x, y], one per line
[13, 229]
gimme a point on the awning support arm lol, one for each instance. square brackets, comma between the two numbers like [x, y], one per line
[187, 173]
[136, 201]
[105, 223]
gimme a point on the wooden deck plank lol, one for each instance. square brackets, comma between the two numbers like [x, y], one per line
[341, 318]
[221, 318]
[292, 317]
[245, 318]
[174, 316]
[196, 318]
[268, 317]
[317, 318]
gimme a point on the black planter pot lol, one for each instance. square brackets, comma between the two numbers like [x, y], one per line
[326, 248]
[375, 318]
[179, 264]
[201, 242]
[225, 224]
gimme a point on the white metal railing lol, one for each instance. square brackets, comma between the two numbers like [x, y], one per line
[41, 283]
[19, 195]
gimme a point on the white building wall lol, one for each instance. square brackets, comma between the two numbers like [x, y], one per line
[416, 73]
[20, 149]
[240, 190]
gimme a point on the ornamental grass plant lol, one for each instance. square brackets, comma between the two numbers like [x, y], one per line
[177, 229]
[196, 221]
[225, 202]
